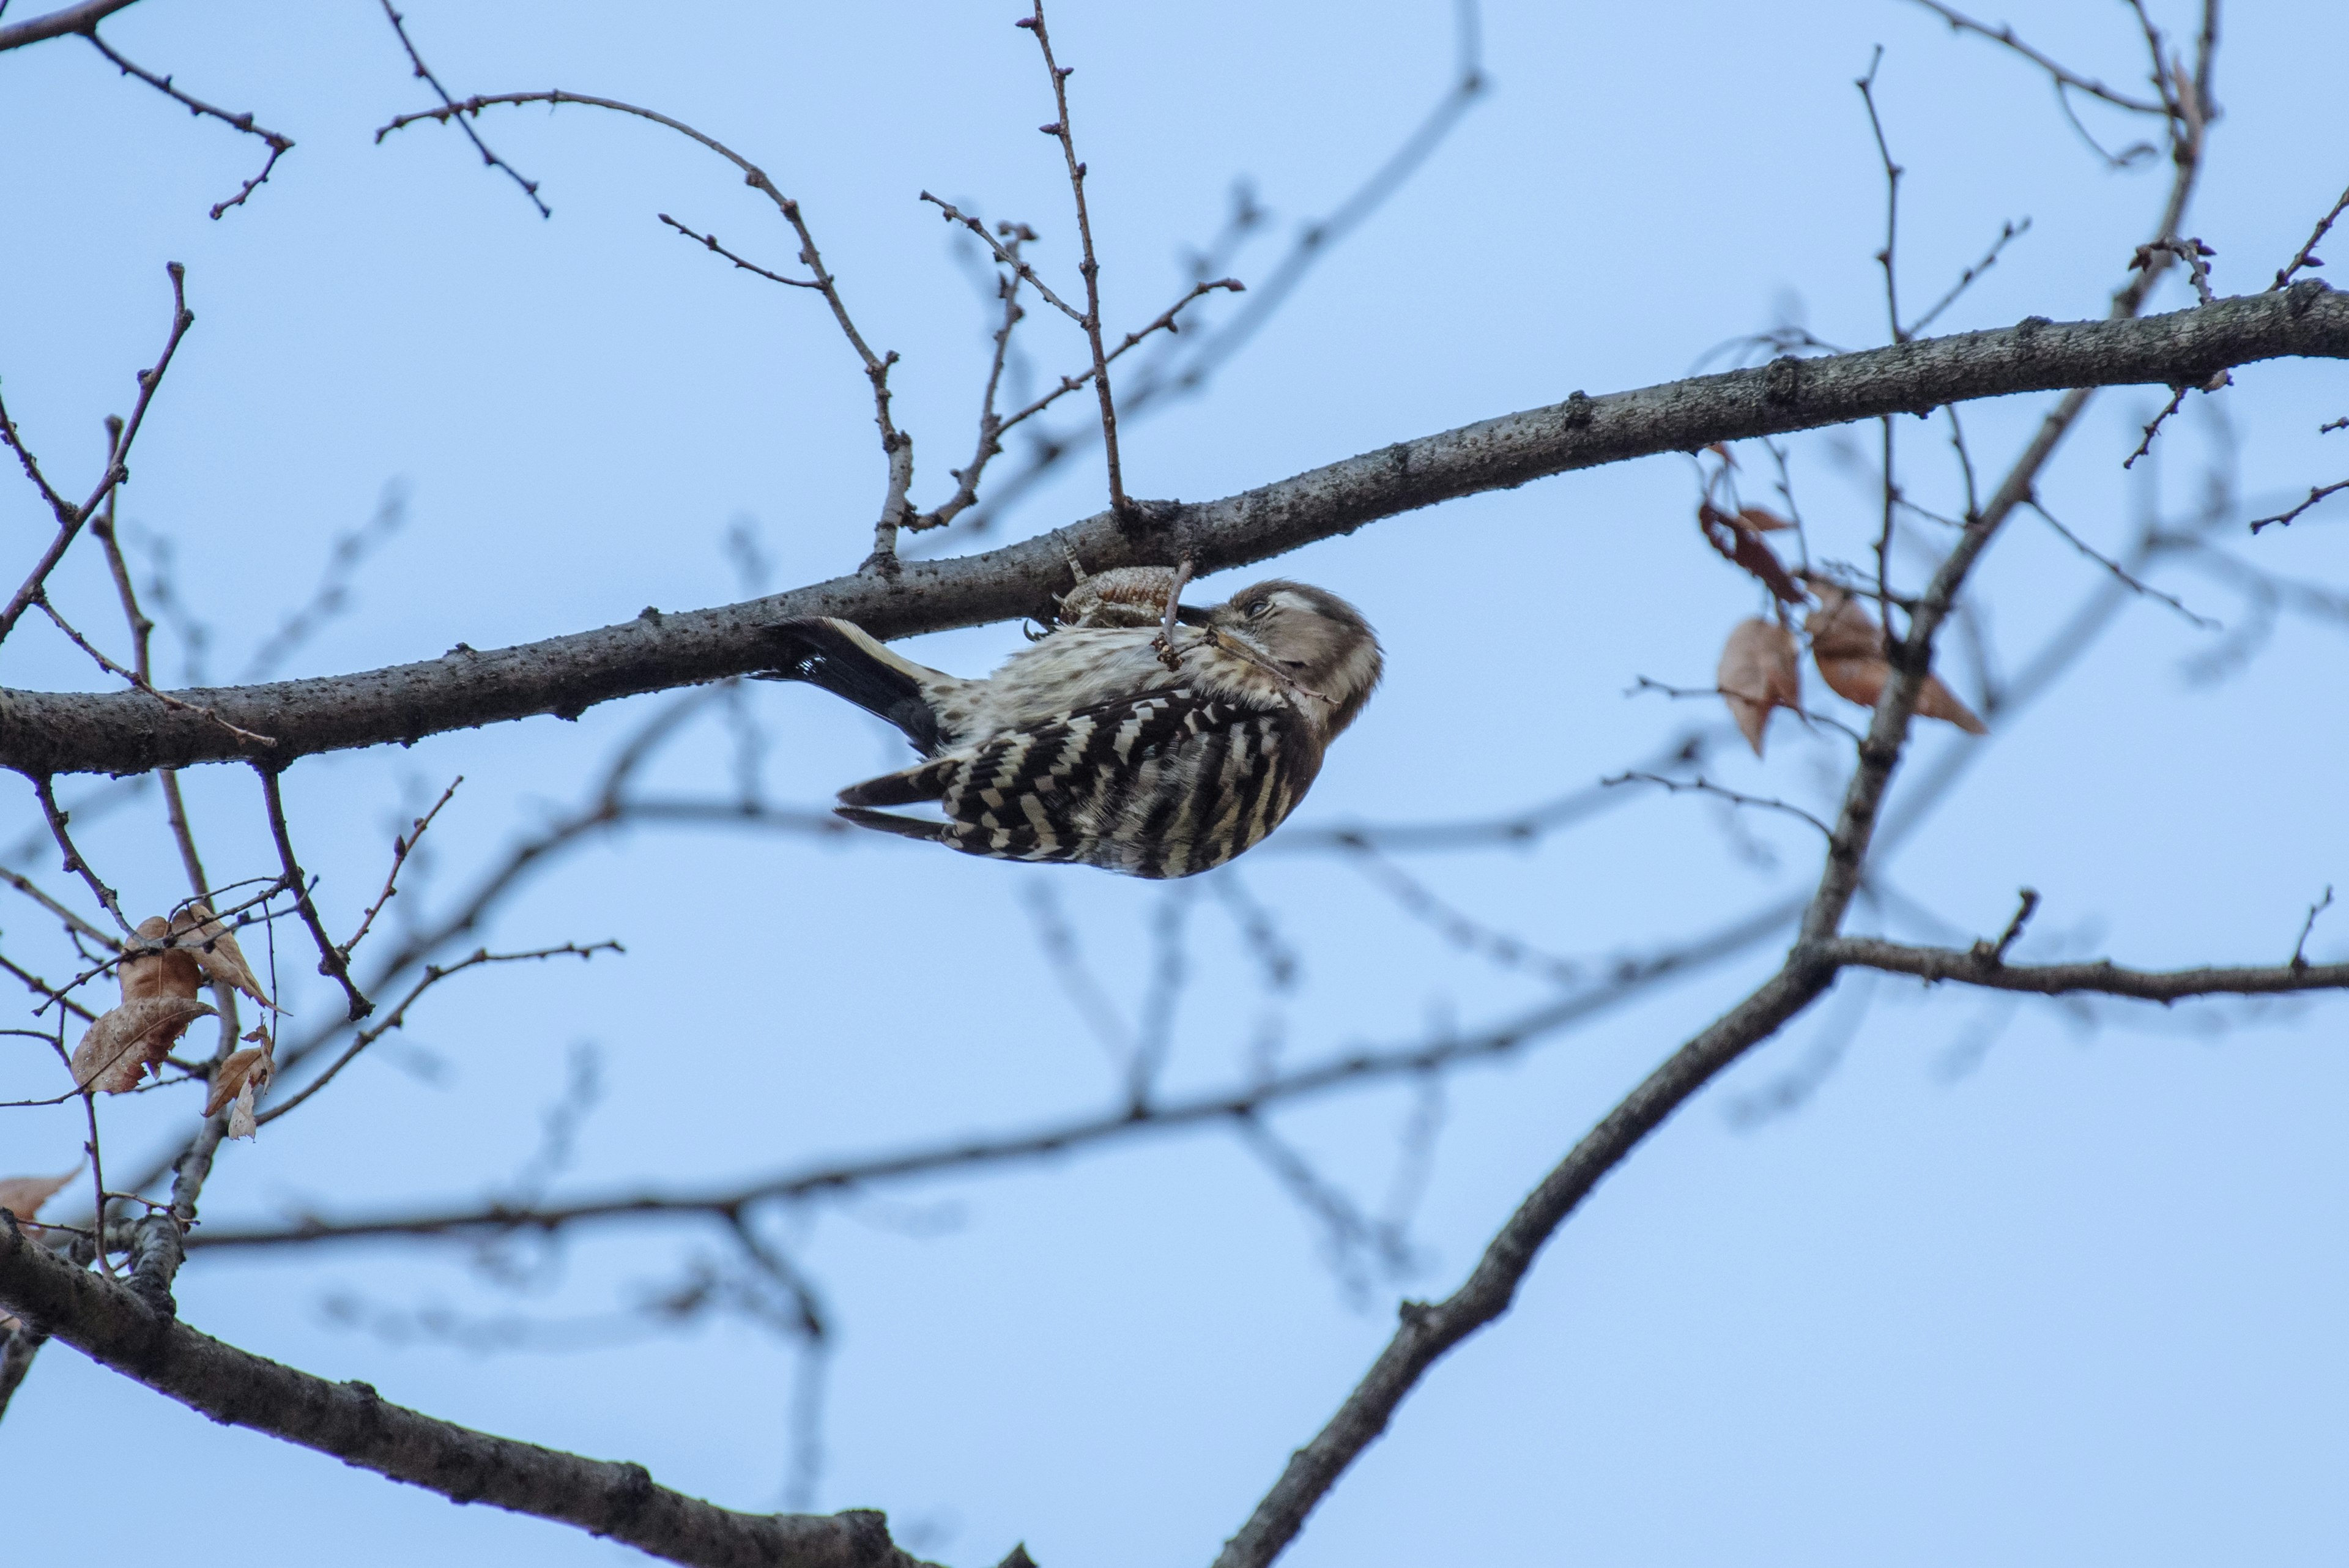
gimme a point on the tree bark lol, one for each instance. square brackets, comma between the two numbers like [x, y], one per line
[352, 1422]
[125, 732]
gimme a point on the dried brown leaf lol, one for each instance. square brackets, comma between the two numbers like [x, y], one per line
[1760, 670]
[1848, 646]
[24, 1195]
[171, 972]
[1935, 701]
[1762, 520]
[240, 1080]
[1742, 544]
[119, 1047]
[214, 946]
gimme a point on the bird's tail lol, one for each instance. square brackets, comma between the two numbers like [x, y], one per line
[847, 661]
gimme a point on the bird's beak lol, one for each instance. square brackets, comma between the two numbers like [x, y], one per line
[1191, 615]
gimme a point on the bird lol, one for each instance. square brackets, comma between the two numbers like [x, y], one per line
[1157, 750]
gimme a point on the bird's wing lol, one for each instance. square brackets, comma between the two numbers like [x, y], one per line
[1163, 785]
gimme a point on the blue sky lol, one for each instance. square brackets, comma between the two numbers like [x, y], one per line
[2037, 1282]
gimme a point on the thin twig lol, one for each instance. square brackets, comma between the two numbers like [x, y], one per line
[2314, 495]
[2007, 234]
[332, 960]
[1703, 785]
[139, 682]
[709, 243]
[2118, 570]
[1960, 22]
[896, 445]
[278, 145]
[400, 850]
[74, 863]
[2300, 948]
[2307, 253]
[1008, 254]
[433, 975]
[1090, 267]
[2026, 905]
[424, 74]
[70, 517]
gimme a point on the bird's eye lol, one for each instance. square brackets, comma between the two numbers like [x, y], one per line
[1257, 608]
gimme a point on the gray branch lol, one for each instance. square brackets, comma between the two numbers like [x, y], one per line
[1982, 967]
[82, 18]
[350, 1420]
[43, 732]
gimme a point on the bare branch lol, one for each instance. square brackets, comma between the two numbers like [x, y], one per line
[2306, 257]
[2101, 976]
[278, 145]
[400, 850]
[2316, 494]
[115, 1327]
[1961, 23]
[2300, 948]
[1622, 979]
[2007, 234]
[1703, 785]
[424, 74]
[60, 22]
[709, 243]
[433, 975]
[2119, 571]
[1090, 267]
[332, 959]
[70, 517]
[63, 732]
[74, 862]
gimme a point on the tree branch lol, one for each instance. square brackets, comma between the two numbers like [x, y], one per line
[353, 1423]
[2102, 975]
[129, 733]
[60, 22]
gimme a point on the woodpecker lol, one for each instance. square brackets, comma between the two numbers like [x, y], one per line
[1128, 746]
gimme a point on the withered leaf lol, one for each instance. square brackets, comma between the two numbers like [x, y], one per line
[242, 1078]
[172, 971]
[1761, 519]
[118, 1049]
[1848, 647]
[1760, 670]
[214, 946]
[24, 1195]
[1741, 543]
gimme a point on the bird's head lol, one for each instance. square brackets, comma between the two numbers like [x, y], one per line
[1312, 637]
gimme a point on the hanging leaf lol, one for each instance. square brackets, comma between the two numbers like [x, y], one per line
[24, 1195]
[158, 967]
[1760, 670]
[1741, 542]
[214, 946]
[123, 1044]
[1848, 646]
[238, 1080]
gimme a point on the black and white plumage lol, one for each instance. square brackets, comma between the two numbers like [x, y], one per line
[1086, 747]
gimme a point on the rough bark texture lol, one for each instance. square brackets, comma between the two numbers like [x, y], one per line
[352, 1422]
[130, 731]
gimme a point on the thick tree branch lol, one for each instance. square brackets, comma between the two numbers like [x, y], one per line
[129, 733]
[350, 1420]
[60, 22]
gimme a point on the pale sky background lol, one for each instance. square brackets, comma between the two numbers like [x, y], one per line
[2064, 1289]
